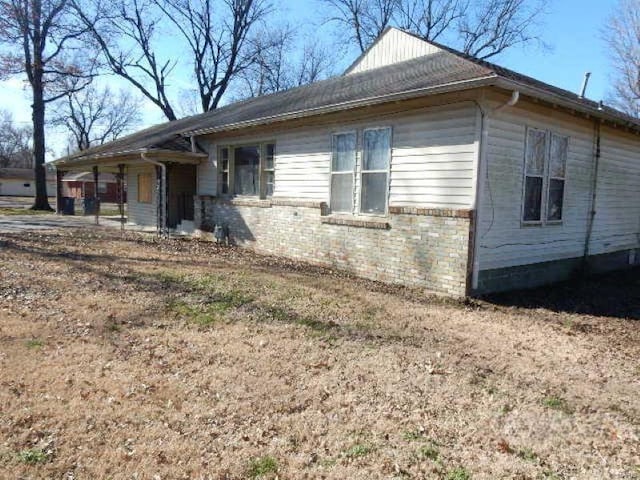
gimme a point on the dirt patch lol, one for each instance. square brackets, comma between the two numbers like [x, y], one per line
[127, 357]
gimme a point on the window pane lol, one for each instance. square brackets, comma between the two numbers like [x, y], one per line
[377, 149]
[271, 150]
[342, 192]
[247, 164]
[556, 193]
[269, 183]
[374, 193]
[559, 149]
[532, 199]
[344, 152]
[536, 152]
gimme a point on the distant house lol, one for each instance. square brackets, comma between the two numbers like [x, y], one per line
[20, 182]
[81, 185]
[419, 165]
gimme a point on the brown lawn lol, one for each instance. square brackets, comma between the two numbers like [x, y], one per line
[130, 358]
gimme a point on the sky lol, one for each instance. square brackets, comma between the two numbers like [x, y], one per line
[572, 30]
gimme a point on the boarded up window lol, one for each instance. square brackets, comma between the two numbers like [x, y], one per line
[376, 157]
[144, 187]
[343, 161]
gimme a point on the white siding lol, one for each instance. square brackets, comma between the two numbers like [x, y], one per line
[16, 187]
[505, 242]
[432, 163]
[617, 221]
[140, 213]
[207, 172]
[394, 46]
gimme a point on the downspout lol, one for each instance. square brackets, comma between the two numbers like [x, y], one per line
[594, 187]
[481, 175]
[162, 201]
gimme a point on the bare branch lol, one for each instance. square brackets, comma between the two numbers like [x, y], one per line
[95, 115]
[622, 34]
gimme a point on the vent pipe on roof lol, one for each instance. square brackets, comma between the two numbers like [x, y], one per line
[585, 84]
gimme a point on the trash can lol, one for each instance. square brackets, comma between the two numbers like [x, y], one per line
[91, 206]
[68, 206]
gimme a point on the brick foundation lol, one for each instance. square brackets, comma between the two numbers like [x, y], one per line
[427, 249]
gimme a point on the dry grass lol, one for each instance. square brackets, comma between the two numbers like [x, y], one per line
[124, 358]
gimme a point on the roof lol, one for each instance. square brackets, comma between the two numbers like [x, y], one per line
[88, 177]
[444, 70]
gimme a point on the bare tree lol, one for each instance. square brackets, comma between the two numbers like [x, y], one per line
[481, 28]
[95, 115]
[430, 19]
[622, 33]
[15, 143]
[494, 26]
[215, 33]
[38, 36]
[280, 63]
[364, 20]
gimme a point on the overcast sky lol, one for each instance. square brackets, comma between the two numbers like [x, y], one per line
[572, 29]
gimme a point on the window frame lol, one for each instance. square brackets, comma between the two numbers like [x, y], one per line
[221, 171]
[353, 173]
[546, 180]
[262, 152]
[362, 171]
[263, 162]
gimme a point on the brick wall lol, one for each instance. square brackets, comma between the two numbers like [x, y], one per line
[427, 248]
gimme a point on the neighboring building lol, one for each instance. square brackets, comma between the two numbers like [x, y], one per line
[20, 182]
[81, 185]
[420, 165]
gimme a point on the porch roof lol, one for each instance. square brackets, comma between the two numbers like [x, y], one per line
[108, 161]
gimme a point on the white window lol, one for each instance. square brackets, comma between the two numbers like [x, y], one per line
[269, 169]
[247, 170]
[373, 170]
[544, 178]
[343, 162]
[376, 158]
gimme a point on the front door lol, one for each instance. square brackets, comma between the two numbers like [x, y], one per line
[181, 188]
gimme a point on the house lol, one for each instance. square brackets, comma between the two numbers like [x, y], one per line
[419, 165]
[20, 182]
[82, 185]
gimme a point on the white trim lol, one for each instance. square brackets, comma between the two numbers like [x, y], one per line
[387, 171]
[344, 172]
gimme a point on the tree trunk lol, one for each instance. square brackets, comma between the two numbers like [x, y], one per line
[41, 201]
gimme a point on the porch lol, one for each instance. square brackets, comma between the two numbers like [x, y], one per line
[161, 187]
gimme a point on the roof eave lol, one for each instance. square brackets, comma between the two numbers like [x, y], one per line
[338, 107]
[563, 101]
[128, 155]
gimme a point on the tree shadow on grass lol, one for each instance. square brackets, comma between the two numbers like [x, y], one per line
[614, 294]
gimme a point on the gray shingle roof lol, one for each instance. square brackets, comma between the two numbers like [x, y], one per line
[339, 92]
[415, 77]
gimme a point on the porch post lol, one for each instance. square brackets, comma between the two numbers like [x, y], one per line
[95, 194]
[59, 205]
[120, 188]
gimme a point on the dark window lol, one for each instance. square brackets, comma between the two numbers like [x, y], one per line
[224, 169]
[536, 152]
[247, 170]
[545, 170]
